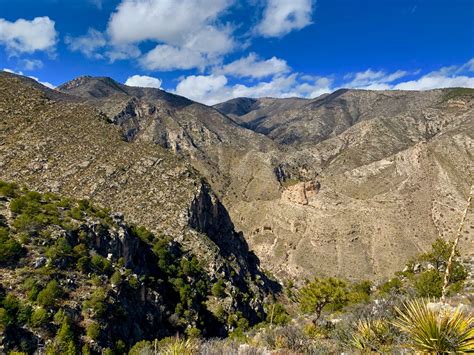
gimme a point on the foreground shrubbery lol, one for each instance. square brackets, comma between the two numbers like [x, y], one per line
[441, 330]
[79, 286]
[322, 315]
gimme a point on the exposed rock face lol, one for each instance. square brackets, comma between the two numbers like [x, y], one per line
[301, 192]
[56, 142]
[394, 168]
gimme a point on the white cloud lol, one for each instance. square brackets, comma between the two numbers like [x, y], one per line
[89, 44]
[49, 85]
[251, 66]
[205, 89]
[165, 58]
[373, 80]
[186, 28]
[123, 51]
[31, 64]
[435, 81]
[213, 89]
[280, 17]
[143, 81]
[445, 77]
[23, 36]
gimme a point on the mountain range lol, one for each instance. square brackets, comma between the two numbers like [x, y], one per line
[350, 184]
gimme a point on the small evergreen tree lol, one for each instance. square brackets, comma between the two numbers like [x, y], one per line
[320, 293]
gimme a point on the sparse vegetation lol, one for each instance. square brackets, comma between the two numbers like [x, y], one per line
[436, 331]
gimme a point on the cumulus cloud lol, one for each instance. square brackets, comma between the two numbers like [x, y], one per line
[165, 57]
[23, 36]
[89, 44]
[143, 81]
[172, 22]
[280, 17]
[253, 67]
[212, 89]
[49, 85]
[187, 28]
[122, 51]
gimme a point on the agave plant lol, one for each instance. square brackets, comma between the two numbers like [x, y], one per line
[438, 331]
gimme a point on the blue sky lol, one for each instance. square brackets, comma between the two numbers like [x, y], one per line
[213, 50]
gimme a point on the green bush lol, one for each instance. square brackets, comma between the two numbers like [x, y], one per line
[321, 293]
[48, 296]
[429, 284]
[8, 189]
[10, 249]
[93, 330]
[97, 304]
[100, 265]
[116, 278]
[391, 286]
[277, 314]
[39, 318]
[218, 289]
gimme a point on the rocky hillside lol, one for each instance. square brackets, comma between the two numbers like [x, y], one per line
[105, 280]
[53, 142]
[392, 169]
[355, 176]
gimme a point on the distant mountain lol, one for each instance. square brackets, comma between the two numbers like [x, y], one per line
[352, 183]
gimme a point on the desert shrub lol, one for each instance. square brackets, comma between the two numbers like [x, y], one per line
[429, 284]
[83, 264]
[392, 286]
[8, 189]
[321, 293]
[277, 314]
[100, 265]
[10, 249]
[142, 347]
[39, 318]
[64, 341]
[372, 336]
[359, 292]
[93, 330]
[97, 304]
[437, 331]
[60, 253]
[4, 319]
[218, 289]
[193, 333]
[47, 297]
[143, 233]
[178, 346]
[116, 278]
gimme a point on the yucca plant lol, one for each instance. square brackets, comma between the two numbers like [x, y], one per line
[438, 331]
[181, 347]
[372, 335]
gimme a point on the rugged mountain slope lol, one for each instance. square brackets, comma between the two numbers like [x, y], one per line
[351, 175]
[211, 140]
[366, 179]
[59, 143]
[393, 170]
[108, 283]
